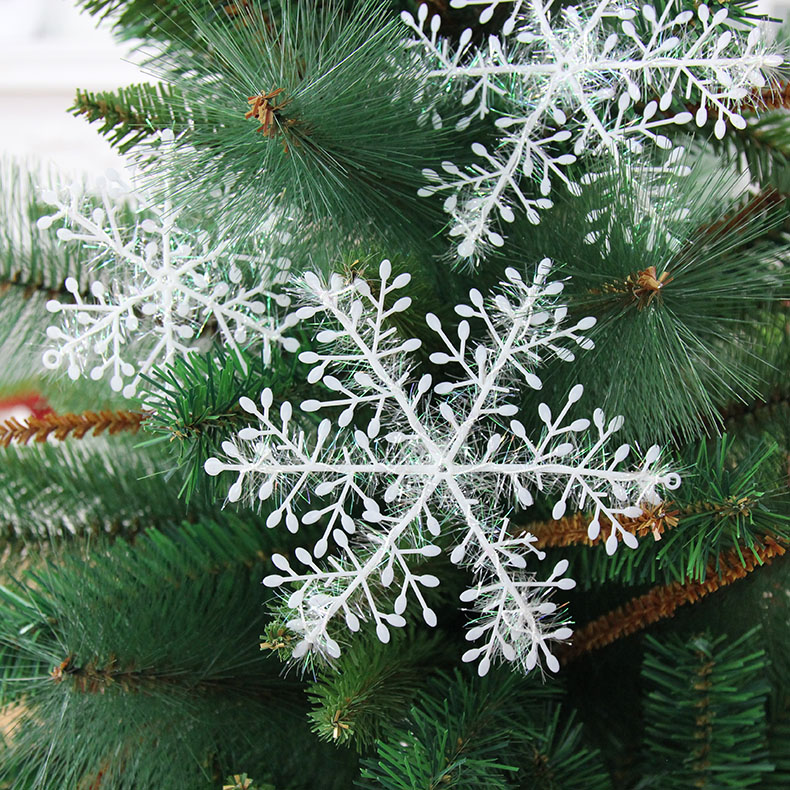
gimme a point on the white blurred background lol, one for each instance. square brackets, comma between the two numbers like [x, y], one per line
[48, 49]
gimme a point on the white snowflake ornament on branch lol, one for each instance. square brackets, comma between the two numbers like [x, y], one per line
[162, 285]
[435, 458]
[600, 78]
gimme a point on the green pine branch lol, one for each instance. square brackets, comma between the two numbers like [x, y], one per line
[458, 736]
[726, 502]
[554, 755]
[57, 492]
[133, 114]
[373, 687]
[170, 21]
[489, 734]
[148, 19]
[149, 672]
[705, 717]
[195, 407]
[305, 109]
[763, 146]
[779, 750]
[689, 336]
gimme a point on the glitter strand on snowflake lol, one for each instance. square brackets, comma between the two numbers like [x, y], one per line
[602, 76]
[167, 285]
[432, 454]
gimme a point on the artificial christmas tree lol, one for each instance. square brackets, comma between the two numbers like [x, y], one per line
[327, 496]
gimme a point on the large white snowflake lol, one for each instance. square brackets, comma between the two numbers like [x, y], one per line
[604, 78]
[435, 458]
[158, 285]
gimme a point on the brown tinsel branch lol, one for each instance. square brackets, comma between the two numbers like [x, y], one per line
[572, 530]
[63, 426]
[775, 97]
[662, 602]
[657, 519]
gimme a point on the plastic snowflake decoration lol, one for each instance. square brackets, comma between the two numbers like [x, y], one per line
[157, 286]
[601, 78]
[436, 457]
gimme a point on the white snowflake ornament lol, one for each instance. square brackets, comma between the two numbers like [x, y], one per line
[157, 286]
[435, 459]
[598, 78]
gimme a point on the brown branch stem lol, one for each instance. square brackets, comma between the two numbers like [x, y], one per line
[69, 425]
[663, 601]
[572, 530]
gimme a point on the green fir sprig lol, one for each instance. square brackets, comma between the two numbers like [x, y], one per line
[194, 406]
[307, 109]
[133, 114]
[491, 734]
[705, 716]
[373, 687]
[164, 693]
[680, 294]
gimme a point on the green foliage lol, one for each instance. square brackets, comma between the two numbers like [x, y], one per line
[767, 414]
[555, 757]
[171, 20]
[373, 687]
[195, 404]
[344, 139]
[779, 748]
[705, 717]
[726, 502]
[148, 654]
[139, 662]
[166, 20]
[132, 114]
[87, 488]
[669, 358]
[457, 737]
[488, 734]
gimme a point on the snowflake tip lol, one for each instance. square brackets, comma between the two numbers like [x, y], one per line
[213, 466]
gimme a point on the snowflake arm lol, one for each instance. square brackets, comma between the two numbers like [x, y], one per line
[349, 588]
[490, 7]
